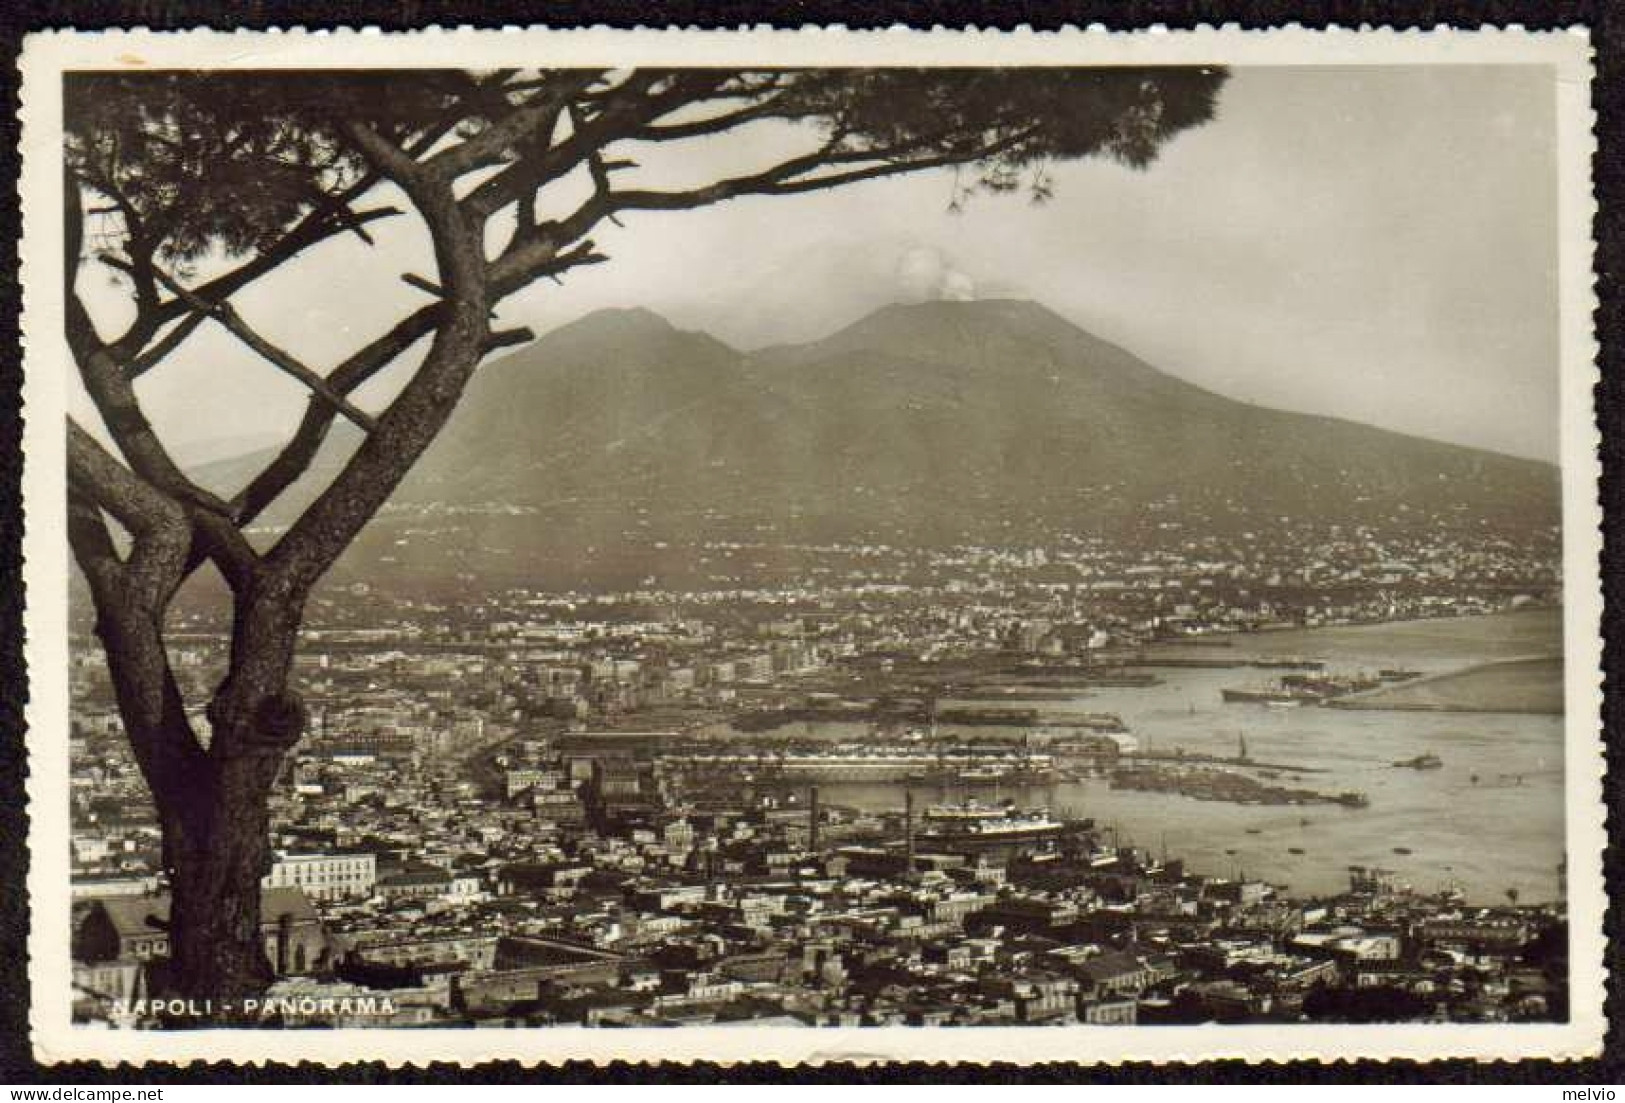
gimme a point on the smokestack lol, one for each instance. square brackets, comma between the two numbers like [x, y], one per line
[908, 828]
[812, 819]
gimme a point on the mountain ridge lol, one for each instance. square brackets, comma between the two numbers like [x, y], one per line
[934, 423]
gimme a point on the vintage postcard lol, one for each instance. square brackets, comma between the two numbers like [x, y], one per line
[812, 546]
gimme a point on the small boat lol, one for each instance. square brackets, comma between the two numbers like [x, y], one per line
[1402, 850]
[1231, 850]
[1294, 850]
[1429, 761]
[1255, 831]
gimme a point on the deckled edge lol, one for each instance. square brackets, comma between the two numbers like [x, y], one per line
[44, 495]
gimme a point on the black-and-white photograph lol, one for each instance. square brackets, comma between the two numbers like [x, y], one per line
[817, 546]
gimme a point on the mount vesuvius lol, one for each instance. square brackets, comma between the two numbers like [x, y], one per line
[934, 424]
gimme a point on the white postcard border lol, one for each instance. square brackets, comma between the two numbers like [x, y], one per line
[47, 55]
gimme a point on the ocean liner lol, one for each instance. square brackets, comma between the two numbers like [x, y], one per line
[974, 822]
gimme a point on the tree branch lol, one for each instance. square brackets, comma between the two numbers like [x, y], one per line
[92, 545]
[715, 124]
[109, 387]
[159, 531]
[423, 405]
[129, 616]
[296, 456]
[427, 286]
[629, 106]
[155, 354]
[227, 316]
[506, 338]
[139, 242]
[387, 157]
[782, 179]
[533, 121]
[540, 258]
[312, 231]
[599, 169]
[329, 215]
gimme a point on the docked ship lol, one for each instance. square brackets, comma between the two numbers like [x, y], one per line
[1303, 689]
[1330, 685]
[972, 822]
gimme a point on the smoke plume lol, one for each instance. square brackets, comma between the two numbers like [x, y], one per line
[925, 273]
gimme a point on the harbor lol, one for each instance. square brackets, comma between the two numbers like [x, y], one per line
[1497, 833]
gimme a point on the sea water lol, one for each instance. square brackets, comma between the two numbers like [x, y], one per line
[1488, 821]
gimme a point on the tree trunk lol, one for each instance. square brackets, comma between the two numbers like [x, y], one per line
[216, 953]
[218, 846]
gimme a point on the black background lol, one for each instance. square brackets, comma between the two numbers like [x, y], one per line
[1607, 23]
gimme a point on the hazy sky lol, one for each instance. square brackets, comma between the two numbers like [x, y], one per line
[1374, 243]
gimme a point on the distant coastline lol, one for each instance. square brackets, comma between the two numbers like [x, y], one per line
[1527, 680]
[1535, 628]
[1532, 685]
